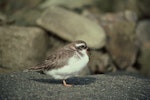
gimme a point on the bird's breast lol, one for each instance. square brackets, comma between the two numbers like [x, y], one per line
[74, 66]
[77, 64]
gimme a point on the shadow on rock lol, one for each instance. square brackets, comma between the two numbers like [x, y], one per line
[74, 80]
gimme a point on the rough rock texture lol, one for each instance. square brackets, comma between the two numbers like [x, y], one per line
[121, 42]
[71, 26]
[35, 86]
[21, 47]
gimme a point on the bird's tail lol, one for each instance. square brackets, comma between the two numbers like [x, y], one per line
[38, 67]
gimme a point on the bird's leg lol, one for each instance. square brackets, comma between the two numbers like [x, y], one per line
[65, 84]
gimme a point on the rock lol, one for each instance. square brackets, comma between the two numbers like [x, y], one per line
[121, 43]
[138, 6]
[144, 57]
[21, 47]
[26, 17]
[143, 35]
[70, 26]
[54, 43]
[23, 12]
[66, 3]
[121, 5]
[4, 20]
[35, 86]
[126, 15]
[143, 31]
[143, 8]
[100, 63]
[10, 7]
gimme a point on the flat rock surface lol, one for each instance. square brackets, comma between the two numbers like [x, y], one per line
[36, 86]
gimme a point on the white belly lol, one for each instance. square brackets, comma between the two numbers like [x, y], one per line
[75, 65]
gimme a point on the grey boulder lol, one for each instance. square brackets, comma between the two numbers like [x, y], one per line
[71, 26]
[21, 47]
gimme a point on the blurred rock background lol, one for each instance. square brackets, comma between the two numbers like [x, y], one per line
[117, 31]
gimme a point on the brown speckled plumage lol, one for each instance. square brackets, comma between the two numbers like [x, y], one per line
[59, 58]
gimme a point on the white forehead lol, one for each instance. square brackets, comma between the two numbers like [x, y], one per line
[80, 44]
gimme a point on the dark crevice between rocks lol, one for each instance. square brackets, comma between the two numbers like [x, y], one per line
[97, 71]
[51, 34]
[5, 67]
[137, 65]
[114, 62]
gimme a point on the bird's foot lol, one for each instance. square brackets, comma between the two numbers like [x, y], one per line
[67, 85]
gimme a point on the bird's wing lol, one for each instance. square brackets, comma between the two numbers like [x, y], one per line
[54, 61]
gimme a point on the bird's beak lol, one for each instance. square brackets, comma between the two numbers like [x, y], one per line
[87, 49]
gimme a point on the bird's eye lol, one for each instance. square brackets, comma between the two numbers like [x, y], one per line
[81, 47]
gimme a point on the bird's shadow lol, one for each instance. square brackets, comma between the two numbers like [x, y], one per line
[74, 80]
